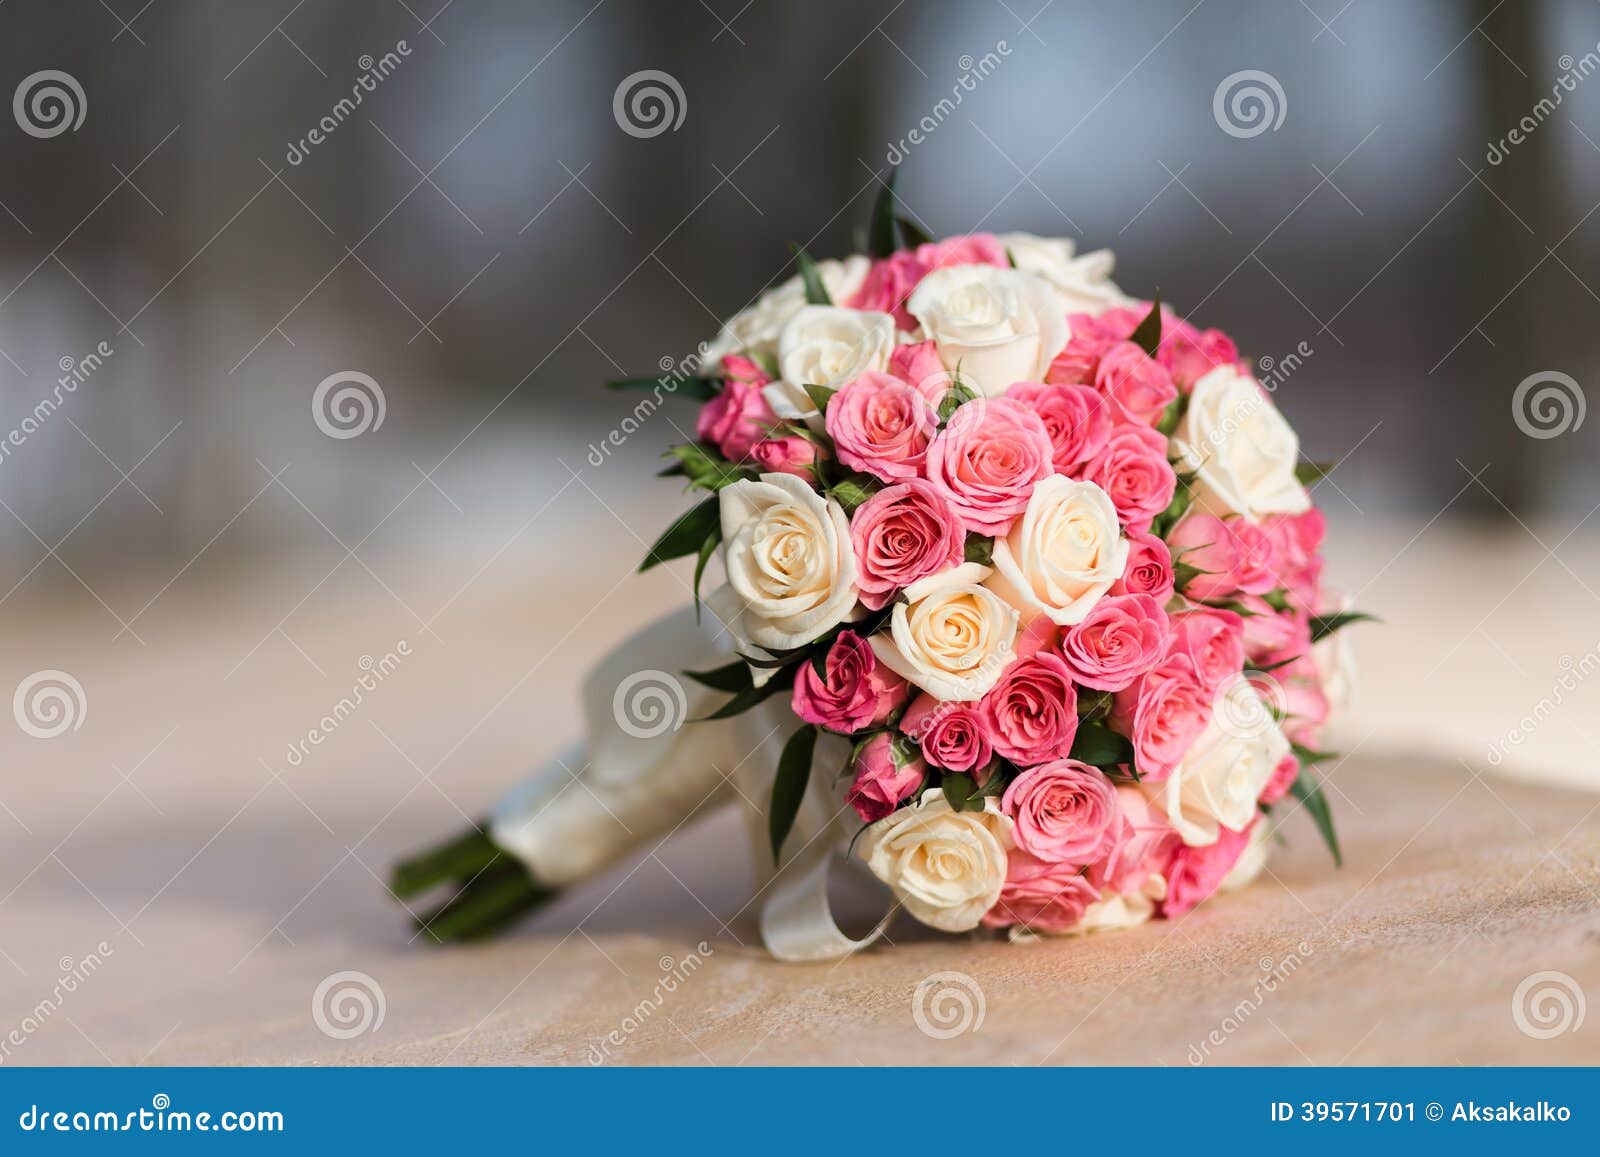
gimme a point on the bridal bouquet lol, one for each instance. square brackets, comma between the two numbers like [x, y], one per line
[1023, 611]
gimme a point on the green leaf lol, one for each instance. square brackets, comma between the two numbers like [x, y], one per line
[1176, 509]
[686, 535]
[1094, 705]
[1324, 625]
[851, 492]
[954, 398]
[705, 469]
[1278, 600]
[1307, 755]
[789, 789]
[880, 233]
[979, 549]
[1097, 744]
[819, 396]
[707, 549]
[962, 793]
[1185, 573]
[911, 234]
[744, 700]
[816, 292]
[732, 678]
[701, 389]
[1148, 335]
[1309, 793]
[1172, 415]
[768, 363]
[1310, 473]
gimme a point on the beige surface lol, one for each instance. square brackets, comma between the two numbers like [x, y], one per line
[228, 882]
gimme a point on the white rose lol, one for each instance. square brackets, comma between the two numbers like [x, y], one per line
[1239, 446]
[1063, 553]
[791, 570]
[755, 330]
[1251, 861]
[1218, 780]
[945, 866]
[1082, 284]
[824, 345]
[1336, 664]
[950, 636]
[997, 326]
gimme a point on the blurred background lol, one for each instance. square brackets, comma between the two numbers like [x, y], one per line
[207, 212]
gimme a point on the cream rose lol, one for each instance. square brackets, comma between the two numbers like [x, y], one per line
[1218, 780]
[1336, 664]
[997, 326]
[824, 345]
[1116, 911]
[755, 330]
[1242, 451]
[945, 866]
[791, 571]
[1082, 284]
[1063, 553]
[950, 636]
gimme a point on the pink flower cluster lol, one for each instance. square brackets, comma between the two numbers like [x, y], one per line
[1086, 716]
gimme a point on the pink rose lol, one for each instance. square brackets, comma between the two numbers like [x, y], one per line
[1121, 638]
[971, 249]
[791, 454]
[1296, 539]
[1149, 570]
[1065, 812]
[1273, 637]
[1031, 714]
[1190, 354]
[1256, 571]
[854, 693]
[951, 734]
[1283, 777]
[888, 283]
[1204, 541]
[1212, 642]
[1135, 384]
[1038, 894]
[1302, 700]
[986, 461]
[735, 420]
[1077, 419]
[1145, 847]
[1162, 714]
[901, 534]
[881, 425]
[917, 364]
[1134, 470]
[886, 775]
[1196, 873]
[1078, 359]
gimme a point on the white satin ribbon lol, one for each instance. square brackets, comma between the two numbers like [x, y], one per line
[638, 777]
